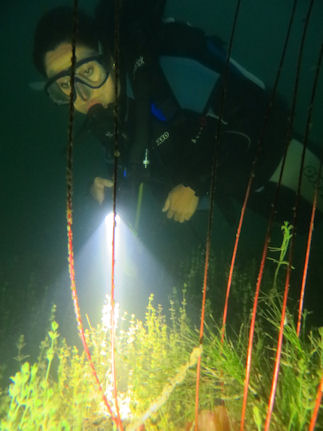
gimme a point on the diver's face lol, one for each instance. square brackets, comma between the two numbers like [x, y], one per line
[88, 75]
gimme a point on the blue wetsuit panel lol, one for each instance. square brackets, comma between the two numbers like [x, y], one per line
[190, 81]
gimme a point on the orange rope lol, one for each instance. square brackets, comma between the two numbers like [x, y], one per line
[317, 406]
[235, 249]
[252, 324]
[254, 163]
[211, 211]
[284, 305]
[198, 370]
[69, 218]
[307, 256]
[278, 353]
[270, 222]
[77, 307]
[115, 178]
[309, 240]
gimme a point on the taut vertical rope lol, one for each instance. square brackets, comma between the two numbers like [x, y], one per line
[291, 249]
[308, 125]
[115, 179]
[317, 405]
[69, 217]
[270, 222]
[254, 163]
[212, 203]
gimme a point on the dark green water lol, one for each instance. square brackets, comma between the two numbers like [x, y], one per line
[32, 194]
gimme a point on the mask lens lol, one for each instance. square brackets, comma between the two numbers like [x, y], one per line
[57, 92]
[89, 73]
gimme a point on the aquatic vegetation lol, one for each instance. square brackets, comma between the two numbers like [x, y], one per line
[287, 229]
[156, 371]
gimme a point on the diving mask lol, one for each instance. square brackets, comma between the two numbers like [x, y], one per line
[90, 73]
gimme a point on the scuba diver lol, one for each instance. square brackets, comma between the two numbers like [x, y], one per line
[171, 79]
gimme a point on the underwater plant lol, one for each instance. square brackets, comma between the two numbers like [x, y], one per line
[286, 228]
[156, 360]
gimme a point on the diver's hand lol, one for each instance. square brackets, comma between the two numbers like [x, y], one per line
[98, 186]
[181, 203]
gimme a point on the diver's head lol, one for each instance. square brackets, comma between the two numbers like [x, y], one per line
[94, 77]
[93, 81]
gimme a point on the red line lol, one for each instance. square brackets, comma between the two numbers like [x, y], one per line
[270, 221]
[307, 256]
[114, 375]
[243, 210]
[278, 353]
[77, 307]
[211, 211]
[317, 406]
[198, 370]
[252, 329]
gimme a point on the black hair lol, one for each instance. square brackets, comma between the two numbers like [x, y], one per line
[56, 27]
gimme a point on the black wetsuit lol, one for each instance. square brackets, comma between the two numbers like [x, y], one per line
[180, 143]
